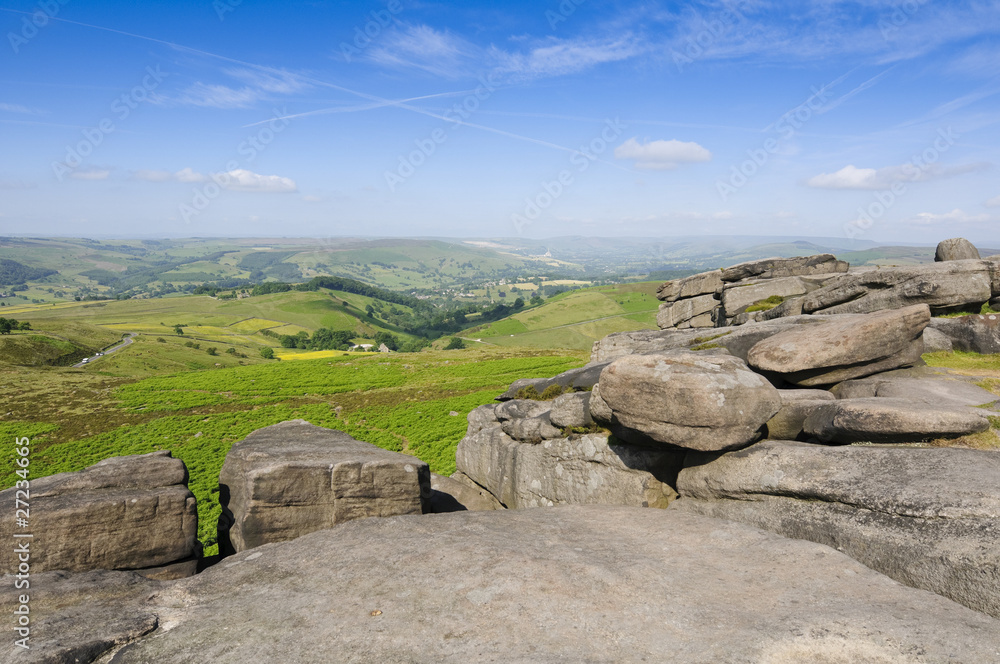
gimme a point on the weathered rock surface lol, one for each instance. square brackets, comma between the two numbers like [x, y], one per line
[772, 268]
[571, 410]
[844, 349]
[452, 495]
[976, 334]
[132, 512]
[942, 286]
[579, 469]
[739, 296]
[572, 584]
[956, 249]
[736, 340]
[927, 517]
[701, 402]
[935, 340]
[891, 420]
[705, 283]
[796, 406]
[582, 378]
[939, 390]
[672, 314]
[289, 479]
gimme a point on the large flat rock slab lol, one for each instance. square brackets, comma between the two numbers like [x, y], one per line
[843, 349]
[289, 479]
[569, 584]
[927, 517]
[132, 512]
[701, 402]
[891, 420]
[771, 268]
[978, 333]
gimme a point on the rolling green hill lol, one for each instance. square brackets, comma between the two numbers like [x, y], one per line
[575, 320]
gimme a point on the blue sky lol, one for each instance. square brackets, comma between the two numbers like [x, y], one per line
[867, 119]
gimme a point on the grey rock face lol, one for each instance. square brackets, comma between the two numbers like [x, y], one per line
[643, 341]
[976, 334]
[700, 402]
[941, 286]
[955, 249]
[772, 268]
[571, 410]
[890, 420]
[672, 314]
[935, 340]
[289, 479]
[843, 349]
[927, 517]
[935, 390]
[131, 513]
[531, 429]
[582, 378]
[571, 584]
[453, 495]
[588, 469]
[796, 406]
[705, 283]
[737, 297]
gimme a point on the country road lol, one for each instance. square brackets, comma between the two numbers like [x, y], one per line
[87, 360]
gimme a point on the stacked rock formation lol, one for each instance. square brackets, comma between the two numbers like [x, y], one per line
[958, 281]
[764, 418]
[721, 297]
[125, 513]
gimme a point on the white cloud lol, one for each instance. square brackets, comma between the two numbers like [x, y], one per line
[955, 216]
[16, 184]
[993, 202]
[257, 85]
[184, 175]
[91, 174]
[422, 47]
[236, 180]
[188, 175]
[16, 108]
[852, 177]
[244, 180]
[560, 57]
[661, 155]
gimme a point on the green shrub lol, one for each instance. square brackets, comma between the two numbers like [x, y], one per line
[529, 392]
[212, 350]
[161, 340]
[267, 353]
[551, 392]
[455, 344]
[766, 304]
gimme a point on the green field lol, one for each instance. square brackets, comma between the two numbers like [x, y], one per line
[400, 402]
[575, 319]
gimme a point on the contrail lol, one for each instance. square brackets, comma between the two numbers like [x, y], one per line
[380, 101]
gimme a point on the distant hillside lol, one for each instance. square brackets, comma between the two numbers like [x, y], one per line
[576, 319]
[13, 273]
[898, 255]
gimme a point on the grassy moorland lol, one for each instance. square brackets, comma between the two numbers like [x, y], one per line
[401, 402]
